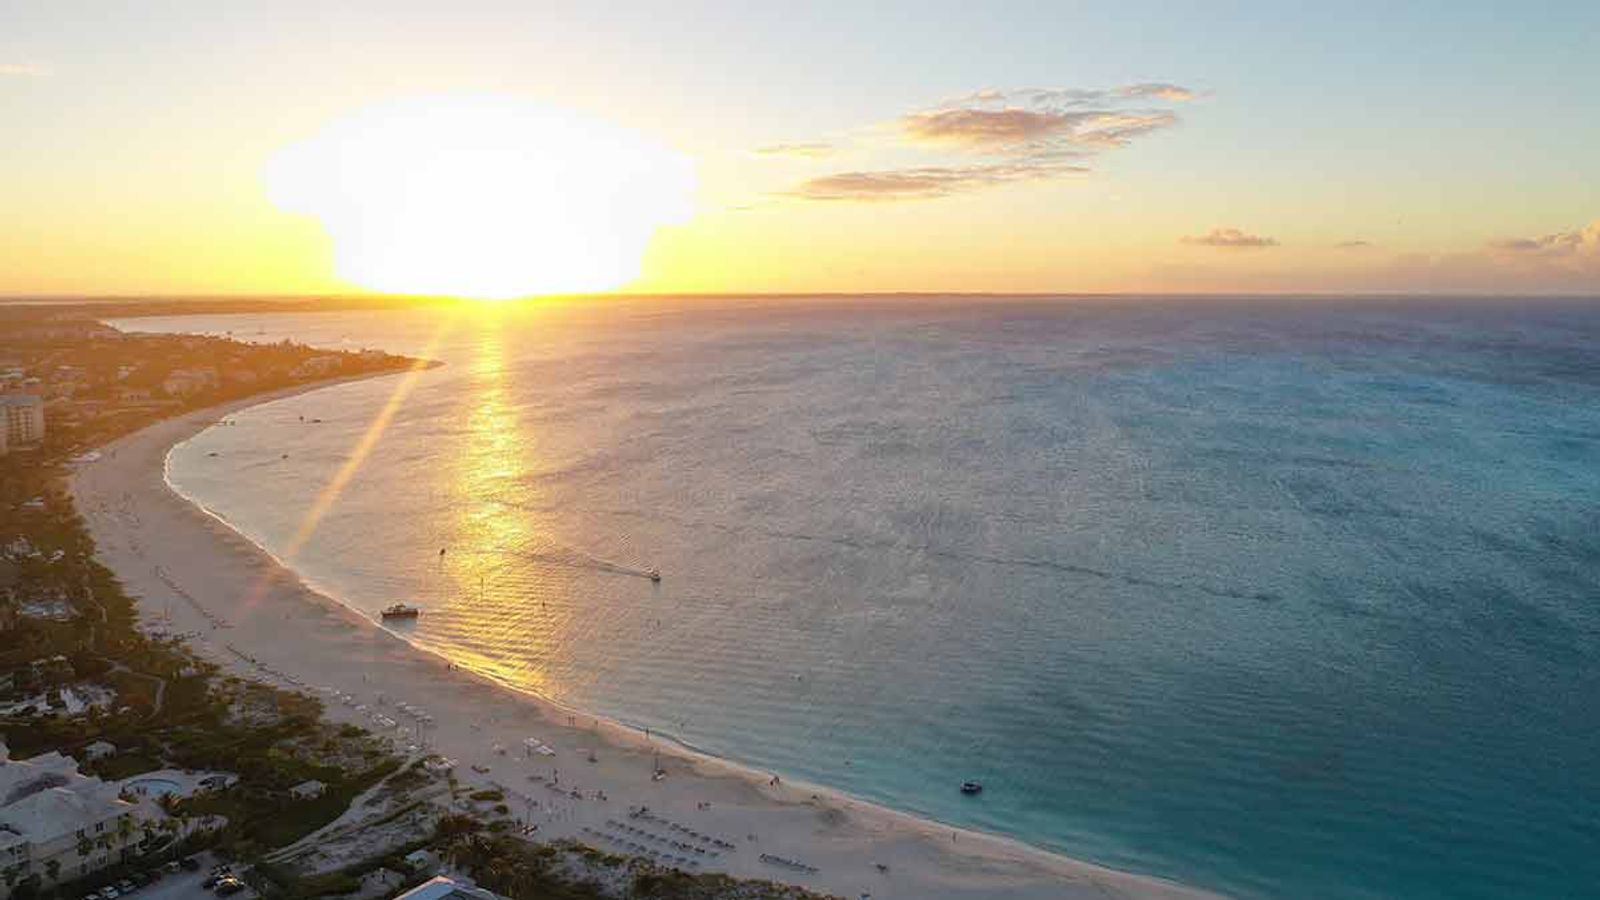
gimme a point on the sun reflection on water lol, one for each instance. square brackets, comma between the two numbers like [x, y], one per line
[485, 561]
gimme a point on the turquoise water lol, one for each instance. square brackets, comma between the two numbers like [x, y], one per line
[1283, 599]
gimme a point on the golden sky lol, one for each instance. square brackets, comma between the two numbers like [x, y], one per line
[503, 149]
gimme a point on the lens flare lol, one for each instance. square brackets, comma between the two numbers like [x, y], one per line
[482, 196]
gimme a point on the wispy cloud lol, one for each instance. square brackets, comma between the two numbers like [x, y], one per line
[1033, 121]
[983, 128]
[1231, 239]
[1577, 244]
[1354, 245]
[1160, 90]
[1028, 131]
[1058, 98]
[19, 70]
[803, 148]
[926, 182]
[1029, 134]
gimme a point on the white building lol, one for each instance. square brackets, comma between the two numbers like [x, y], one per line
[57, 825]
[24, 418]
[442, 888]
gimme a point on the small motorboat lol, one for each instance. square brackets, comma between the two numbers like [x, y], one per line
[655, 575]
[400, 611]
[971, 787]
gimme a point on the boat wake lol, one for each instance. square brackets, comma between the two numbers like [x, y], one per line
[567, 558]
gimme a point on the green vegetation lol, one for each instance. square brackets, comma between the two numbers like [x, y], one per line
[154, 700]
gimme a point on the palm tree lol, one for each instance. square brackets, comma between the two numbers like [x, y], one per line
[52, 868]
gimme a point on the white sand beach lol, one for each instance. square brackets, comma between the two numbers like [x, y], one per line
[255, 617]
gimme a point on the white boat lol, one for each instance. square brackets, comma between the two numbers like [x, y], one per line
[400, 611]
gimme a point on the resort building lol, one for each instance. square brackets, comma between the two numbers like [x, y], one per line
[442, 888]
[24, 419]
[57, 825]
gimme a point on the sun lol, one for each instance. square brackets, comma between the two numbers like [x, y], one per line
[485, 196]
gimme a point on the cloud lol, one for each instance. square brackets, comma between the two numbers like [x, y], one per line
[19, 70]
[1559, 262]
[1578, 244]
[1077, 97]
[983, 127]
[1572, 256]
[1027, 131]
[1159, 90]
[1230, 238]
[926, 182]
[812, 149]
[1028, 134]
[1354, 245]
[1043, 120]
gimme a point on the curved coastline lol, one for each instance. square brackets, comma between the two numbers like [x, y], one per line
[198, 552]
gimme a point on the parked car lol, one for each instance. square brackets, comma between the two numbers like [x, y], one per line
[109, 893]
[172, 867]
[190, 864]
[127, 887]
[229, 885]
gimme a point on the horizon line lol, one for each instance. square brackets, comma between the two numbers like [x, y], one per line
[197, 297]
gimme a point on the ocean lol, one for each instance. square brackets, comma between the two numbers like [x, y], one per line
[1277, 597]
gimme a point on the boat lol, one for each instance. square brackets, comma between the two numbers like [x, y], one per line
[971, 787]
[400, 611]
[655, 575]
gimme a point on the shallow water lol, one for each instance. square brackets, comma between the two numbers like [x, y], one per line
[1291, 599]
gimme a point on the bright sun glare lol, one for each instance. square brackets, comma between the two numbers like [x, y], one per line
[482, 196]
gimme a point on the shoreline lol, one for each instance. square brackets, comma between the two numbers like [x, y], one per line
[253, 615]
